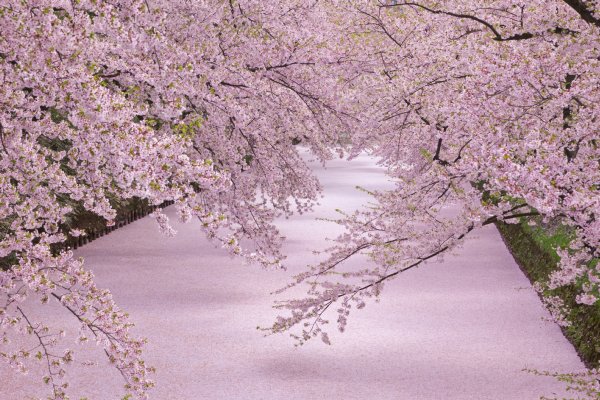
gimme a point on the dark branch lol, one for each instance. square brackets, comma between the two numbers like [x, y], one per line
[584, 12]
[497, 35]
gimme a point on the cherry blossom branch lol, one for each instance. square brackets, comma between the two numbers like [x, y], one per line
[584, 11]
[497, 35]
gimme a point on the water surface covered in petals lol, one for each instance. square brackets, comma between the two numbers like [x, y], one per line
[462, 329]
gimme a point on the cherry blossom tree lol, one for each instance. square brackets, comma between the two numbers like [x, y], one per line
[482, 112]
[202, 103]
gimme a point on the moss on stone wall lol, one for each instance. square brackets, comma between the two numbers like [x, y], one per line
[534, 252]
